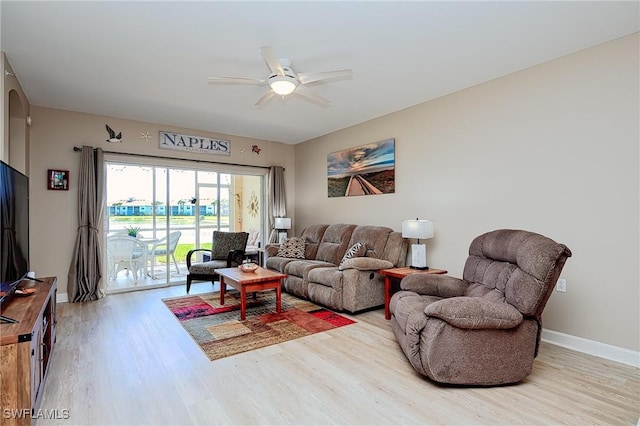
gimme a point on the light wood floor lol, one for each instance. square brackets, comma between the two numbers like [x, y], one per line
[125, 360]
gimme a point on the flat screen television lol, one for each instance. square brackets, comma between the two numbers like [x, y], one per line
[14, 230]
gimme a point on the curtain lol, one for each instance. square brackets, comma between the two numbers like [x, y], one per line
[85, 272]
[277, 199]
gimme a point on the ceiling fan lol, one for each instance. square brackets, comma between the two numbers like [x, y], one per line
[283, 80]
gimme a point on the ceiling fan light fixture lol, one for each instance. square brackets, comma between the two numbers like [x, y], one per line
[283, 85]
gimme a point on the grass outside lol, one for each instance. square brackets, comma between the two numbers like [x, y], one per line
[181, 252]
[145, 223]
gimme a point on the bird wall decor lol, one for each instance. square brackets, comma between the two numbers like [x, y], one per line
[113, 138]
[256, 149]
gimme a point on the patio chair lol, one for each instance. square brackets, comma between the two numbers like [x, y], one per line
[124, 252]
[164, 246]
[227, 250]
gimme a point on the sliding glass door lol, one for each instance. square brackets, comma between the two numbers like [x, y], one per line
[169, 211]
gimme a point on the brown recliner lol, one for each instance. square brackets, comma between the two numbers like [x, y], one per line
[483, 329]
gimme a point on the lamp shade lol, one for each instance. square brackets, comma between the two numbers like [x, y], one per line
[283, 85]
[282, 223]
[420, 229]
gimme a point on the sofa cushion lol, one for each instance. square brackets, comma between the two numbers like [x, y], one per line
[292, 248]
[301, 267]
[312, 236]
[373, 237]
[356, 250]
[326, 276]
[207, 268]
[335, 242]
[278, 263]
[396, 249]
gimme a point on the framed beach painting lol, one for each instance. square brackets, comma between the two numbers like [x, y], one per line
[363, 170]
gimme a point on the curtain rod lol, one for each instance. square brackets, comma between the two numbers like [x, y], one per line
[77, 149]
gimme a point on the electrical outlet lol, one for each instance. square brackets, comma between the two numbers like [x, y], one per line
[561, 285]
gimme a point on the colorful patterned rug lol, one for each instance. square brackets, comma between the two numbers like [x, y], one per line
[220, 333]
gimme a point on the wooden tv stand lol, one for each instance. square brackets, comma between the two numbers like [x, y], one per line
[25, 351]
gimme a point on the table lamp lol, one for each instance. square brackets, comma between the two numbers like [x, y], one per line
[282, 224]
[420, 230]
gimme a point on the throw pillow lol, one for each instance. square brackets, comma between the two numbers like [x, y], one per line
[356, 250]
[292, 248]
[253, 238]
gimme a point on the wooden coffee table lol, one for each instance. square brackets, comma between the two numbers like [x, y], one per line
[248, 282]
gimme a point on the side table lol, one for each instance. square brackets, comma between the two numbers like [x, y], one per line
[398, 274]
[256, 254]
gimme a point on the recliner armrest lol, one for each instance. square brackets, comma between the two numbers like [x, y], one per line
[434, 285]
[272, 249]
[475, 313]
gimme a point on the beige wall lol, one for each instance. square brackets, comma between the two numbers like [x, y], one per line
[552, 149]
[54, 133]
[14, 109]
[247, 187]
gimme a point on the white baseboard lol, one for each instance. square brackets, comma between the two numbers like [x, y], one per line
[62, 297]
[591, 347]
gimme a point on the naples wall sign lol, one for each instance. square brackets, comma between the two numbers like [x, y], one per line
[177, 142]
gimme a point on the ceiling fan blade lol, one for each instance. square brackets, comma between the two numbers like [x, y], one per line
[235, 80]
[305, 92]
[265, 99]
[310, 77]
[272, 60]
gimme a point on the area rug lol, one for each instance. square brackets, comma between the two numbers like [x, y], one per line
[220, 332]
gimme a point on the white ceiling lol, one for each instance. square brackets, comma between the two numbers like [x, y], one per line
[149, 61]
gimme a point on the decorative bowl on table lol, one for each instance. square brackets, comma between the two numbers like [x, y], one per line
[25, 291]
[248, 267]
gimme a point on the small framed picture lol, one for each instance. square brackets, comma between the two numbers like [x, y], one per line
[58, 179]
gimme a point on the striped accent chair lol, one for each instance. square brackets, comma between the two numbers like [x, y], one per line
[227, 250]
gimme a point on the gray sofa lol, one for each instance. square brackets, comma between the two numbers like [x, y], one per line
[353, 285]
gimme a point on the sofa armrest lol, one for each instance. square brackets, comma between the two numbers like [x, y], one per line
[272, 249]
[475, 313]
[365, 264]
[434, 285]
